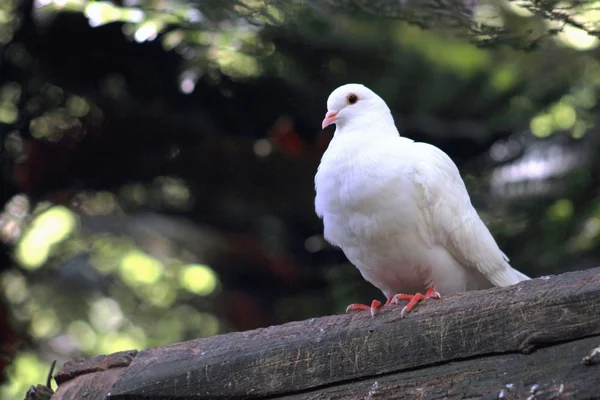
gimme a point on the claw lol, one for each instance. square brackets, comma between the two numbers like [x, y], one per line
[401, 296]
[432, 294]
[375, 305]
[412, 299]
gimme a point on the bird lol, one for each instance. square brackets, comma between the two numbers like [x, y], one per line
[399, 209]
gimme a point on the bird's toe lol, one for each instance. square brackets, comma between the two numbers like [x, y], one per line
[375, 305]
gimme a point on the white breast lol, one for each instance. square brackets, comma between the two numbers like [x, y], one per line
[370, 209]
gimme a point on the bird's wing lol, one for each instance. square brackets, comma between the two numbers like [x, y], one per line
[452, 221]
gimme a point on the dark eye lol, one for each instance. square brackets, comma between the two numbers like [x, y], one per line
[352, 99]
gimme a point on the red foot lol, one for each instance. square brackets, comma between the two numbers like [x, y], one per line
[375, 305]
[412, 299]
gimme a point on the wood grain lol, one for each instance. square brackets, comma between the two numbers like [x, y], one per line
[323, 352]
[555, 372]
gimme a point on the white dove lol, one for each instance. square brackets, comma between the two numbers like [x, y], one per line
[399, 209]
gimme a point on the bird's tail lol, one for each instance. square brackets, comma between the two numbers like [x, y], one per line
[509, 276]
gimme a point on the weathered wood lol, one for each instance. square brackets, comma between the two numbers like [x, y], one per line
[72, 369]
[555, 372]
[93, 386]
[319, 353]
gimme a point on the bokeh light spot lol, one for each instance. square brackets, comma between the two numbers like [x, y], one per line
[25, 369]
[162, 294]
[78, 106]
[49, 228]
[564, 115]
[15, 287]
[168, 329]
[8, 113]
[504, 78]
[114, 342]
[262, 147]
[577, 39]
[83, 335]
[541, 125]
[560, 210]
[44, 324]
[138, 268]
[105, 315]
[198, 279]
[101, 12]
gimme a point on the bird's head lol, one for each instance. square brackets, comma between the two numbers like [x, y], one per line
[355, 103]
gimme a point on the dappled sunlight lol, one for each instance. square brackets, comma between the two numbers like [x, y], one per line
[82, 335]
[50, 228]
[578, 39]
[491, 14]
[198, 279]
[517, 8]
[585, 15]
[559, 117]
[222, 47]
[44, 324]
[573, 112]
[15, 287]
[161, 294]
[147, 31]
[25, 369]
[173, 192]
[113, 342]
[504, 77]
[561, 209]
[455, 55]
[104, 12]
[10, 94]
[105, 315]
[138, 268]
[54, 125]
[10, 21]
[77, 106]
[140, 285]
[108, 251]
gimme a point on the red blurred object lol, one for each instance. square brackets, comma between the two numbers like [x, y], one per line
[244, 312]
[44, 161]
[284, 137]
[252, 251]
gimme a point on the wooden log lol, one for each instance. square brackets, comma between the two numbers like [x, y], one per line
[555, 372]
[323, 355]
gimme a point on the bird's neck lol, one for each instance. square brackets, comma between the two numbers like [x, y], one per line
[368, 125]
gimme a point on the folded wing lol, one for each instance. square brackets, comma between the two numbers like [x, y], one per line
[452, 221]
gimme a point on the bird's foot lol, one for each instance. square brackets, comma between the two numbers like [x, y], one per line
[375, 305]
[413, 299]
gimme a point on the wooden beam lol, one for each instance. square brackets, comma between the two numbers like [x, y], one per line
[321, 354]
[555, 372]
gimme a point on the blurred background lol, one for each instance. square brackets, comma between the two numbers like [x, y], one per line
[157, 156]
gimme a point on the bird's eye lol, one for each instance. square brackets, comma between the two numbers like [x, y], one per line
[352, 99]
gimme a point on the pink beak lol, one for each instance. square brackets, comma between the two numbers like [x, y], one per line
[329, 118]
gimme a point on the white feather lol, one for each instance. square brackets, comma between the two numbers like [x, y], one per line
[399, 209]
